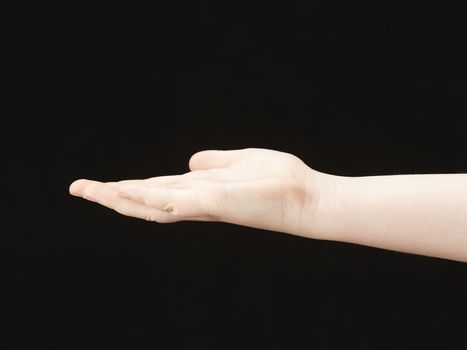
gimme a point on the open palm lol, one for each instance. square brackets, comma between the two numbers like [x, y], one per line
[253, 187]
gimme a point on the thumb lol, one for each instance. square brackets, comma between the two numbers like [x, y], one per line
[208, 159]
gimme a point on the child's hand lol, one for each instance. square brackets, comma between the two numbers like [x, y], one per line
[252, 187]
[423, 214]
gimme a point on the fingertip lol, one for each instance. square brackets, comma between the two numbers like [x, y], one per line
[76, 188]
[206, 159]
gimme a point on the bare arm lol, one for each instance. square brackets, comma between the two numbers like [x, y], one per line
[424, 214]
[272, 190]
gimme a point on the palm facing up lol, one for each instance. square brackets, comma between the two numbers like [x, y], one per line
[253, 187]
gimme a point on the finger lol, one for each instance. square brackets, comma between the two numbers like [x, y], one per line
[159, 180]
[180, 202]
[107, 196]
[168, 179]
[76, 188]
[213, 159]
[173, 179]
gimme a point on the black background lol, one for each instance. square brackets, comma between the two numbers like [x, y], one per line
[110, 91]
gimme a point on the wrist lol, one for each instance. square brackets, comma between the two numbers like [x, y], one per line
[322, 218]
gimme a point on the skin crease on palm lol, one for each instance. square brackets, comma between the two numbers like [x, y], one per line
[253, 187]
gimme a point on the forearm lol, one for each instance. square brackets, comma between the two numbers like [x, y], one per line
[421, 214]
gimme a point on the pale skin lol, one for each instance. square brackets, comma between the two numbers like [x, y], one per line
[422, 214]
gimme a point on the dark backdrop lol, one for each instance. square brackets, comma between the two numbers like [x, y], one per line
[110, 91]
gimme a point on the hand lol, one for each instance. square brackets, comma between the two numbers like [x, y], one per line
[253, 187]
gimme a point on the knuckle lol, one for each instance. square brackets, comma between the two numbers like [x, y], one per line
[168, 207]
[151, 217]
[158, 217]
